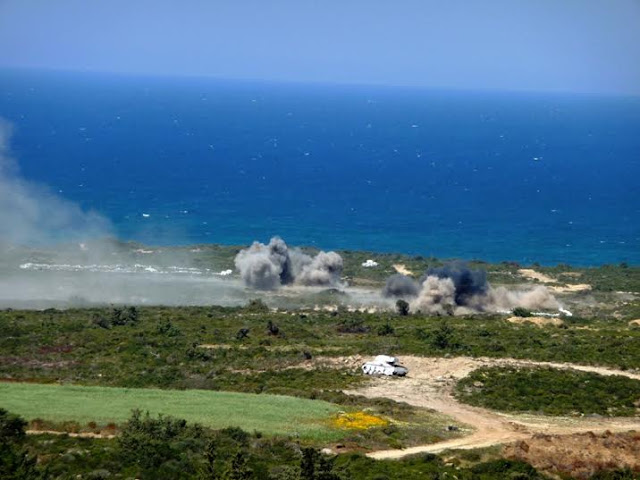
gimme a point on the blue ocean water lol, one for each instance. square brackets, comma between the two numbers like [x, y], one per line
[527, 177]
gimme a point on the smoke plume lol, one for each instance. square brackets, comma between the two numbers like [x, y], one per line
[400, 286]
[31, 214]
[268, 267]
[468, 283]
[454, 289]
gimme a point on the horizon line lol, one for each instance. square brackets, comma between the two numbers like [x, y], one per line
[328, 83]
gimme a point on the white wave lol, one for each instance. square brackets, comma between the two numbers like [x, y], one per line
[118, 268]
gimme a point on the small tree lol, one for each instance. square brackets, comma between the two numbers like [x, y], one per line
[242, 333]
[272, 329]
[402, 306]
[308, 464]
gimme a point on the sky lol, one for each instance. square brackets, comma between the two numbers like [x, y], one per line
[586, 46]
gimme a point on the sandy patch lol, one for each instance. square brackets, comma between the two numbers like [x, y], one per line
[71, 434]
[539, 321]
[402, 268]
[570, 288]
[533, 275]
[572, 274]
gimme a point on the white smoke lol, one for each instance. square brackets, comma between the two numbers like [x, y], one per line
[32, 214]
[441, 295]
[270, 266]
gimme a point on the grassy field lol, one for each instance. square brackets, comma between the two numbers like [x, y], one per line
[269, 414]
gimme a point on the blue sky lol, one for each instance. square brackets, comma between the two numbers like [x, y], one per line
[557, 45]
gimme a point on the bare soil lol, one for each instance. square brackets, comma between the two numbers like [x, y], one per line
[539, 321]
[430, 384]
[579, 455]
[401, 268]
[531, 274]
[71, 434]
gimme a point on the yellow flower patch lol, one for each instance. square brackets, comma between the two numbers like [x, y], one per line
[358, 421]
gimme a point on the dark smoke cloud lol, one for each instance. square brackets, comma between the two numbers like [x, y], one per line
[268, 267]
[468, 283]
[455, 289]
[400, 286]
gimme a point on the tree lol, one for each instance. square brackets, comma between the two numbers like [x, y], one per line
[15, 461]
[308, 464]
[402, 306]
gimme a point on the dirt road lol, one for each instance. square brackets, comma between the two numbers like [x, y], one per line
[430, 384]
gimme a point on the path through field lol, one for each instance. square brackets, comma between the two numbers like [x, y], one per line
[430, 384]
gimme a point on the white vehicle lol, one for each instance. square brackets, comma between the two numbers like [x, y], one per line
[384, 365]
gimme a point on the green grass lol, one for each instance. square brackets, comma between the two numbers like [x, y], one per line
[269, 414]
[550, 391]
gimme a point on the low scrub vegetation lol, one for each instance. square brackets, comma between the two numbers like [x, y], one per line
[550, 391]
[151, 447]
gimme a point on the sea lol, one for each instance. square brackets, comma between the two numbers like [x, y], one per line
[542, 178]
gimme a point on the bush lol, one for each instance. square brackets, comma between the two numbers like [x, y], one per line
[521, 312]
[167, 328]
[442, 337]
[386, 329]
[353, 325]
[272, 329]
[159, 443]
[15, 461]
[256, 305]
[12, 427]
[124, 316]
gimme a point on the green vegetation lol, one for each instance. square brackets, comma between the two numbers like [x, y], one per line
[270, 414]
[198, 347]
[550, 391]
[521, 312]
[15, 460]
[169, 359]
[163, 447]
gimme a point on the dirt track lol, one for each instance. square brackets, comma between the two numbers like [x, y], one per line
[430, 384]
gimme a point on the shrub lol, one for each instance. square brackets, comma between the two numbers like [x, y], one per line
[15, 462]
[150, 443]
[549, 390]
[124, 316]
[272, 328]
[256, 305]
[242, 333]
[386, 329]
[12, 427]
[167, 328]
[521, 312]
[442, 337]
[352, 325]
